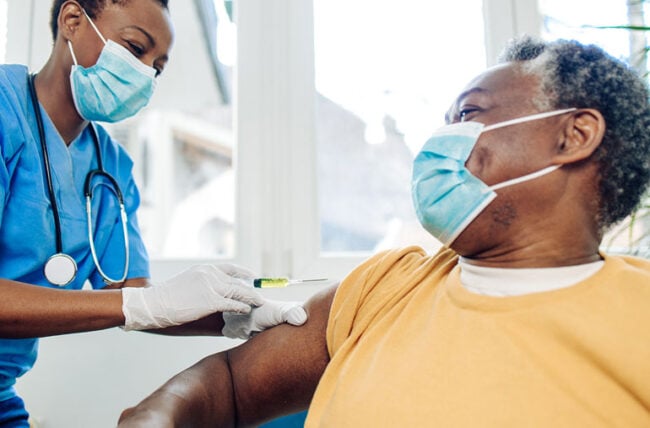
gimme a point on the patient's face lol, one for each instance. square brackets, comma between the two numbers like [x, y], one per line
[501, 93]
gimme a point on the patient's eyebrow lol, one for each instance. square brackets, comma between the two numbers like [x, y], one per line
[470, 91]
[474, 90]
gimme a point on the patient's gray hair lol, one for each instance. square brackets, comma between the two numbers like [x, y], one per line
[584, 76]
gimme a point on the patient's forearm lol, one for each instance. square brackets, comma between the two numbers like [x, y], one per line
[199, 396]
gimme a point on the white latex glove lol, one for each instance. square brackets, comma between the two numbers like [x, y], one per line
[192, 294]
[237, 271]
[271, 313]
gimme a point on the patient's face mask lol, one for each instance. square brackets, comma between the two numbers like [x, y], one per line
[447, 197]
[115, 88]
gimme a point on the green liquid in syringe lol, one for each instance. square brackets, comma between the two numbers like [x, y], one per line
[270, 282]
[281, 282]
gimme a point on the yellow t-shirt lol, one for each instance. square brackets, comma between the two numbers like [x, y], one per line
[410, 347]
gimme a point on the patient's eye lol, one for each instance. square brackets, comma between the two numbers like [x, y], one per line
[467, 113]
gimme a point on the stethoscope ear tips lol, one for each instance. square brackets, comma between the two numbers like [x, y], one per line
[60, 269]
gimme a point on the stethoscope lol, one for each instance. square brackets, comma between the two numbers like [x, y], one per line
[60, 269]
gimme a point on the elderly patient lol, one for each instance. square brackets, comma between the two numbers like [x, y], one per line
[519, 320]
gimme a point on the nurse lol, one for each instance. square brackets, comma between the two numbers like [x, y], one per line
[68, 199]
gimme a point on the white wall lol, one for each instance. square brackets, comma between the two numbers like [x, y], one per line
[86, 380]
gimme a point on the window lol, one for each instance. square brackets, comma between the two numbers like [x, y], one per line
[580, 19]
[386, 72]
[584, 20]
[3, 30]
[327, 123]
[183, 142]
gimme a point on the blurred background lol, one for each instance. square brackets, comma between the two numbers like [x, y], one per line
[281, 137]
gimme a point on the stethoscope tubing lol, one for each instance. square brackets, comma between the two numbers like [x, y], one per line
[46, 165]
[88, 190]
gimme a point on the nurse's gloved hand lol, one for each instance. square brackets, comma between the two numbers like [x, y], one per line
[192, 294]
[271, 313]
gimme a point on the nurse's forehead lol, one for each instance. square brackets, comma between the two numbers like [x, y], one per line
[146, 15]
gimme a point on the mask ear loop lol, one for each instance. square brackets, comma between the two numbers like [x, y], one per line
[93, 25]
[532, 175]
[74, 57]
[526, 177]
[523, 119]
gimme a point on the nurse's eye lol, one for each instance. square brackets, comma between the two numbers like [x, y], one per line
[137, 50]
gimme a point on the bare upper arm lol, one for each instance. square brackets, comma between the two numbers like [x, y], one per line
[277, 371]
[273, 374]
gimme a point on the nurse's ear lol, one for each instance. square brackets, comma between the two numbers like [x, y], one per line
[69, 20]
[580, 137]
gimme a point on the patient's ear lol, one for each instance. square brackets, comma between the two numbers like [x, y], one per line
[580, 137]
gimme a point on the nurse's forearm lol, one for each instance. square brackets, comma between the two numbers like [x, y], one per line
[33, 311]
[30, 311]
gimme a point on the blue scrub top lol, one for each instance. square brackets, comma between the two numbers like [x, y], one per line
[27, 234]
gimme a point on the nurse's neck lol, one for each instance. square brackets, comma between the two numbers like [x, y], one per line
[53, 90]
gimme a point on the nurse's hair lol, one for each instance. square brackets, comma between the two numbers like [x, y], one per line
[584, 76]
[92, 7]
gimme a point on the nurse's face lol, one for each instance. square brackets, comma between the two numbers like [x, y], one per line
[141, 26]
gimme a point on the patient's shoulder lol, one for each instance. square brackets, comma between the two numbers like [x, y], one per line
[383, 281]
[391, 271]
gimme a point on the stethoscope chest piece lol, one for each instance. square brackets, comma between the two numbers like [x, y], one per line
[60, 269]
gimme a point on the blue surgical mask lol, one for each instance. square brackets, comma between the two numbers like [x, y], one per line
[113, 89]
[447, 197]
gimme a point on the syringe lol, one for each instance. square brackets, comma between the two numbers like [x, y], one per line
[281, 282]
